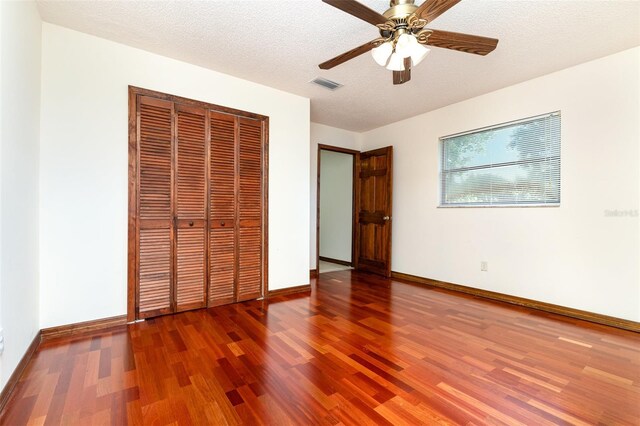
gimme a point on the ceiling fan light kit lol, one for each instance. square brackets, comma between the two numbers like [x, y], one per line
[392, 53]
[403, 35]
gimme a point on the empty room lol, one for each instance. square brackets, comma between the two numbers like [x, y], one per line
[331, 212]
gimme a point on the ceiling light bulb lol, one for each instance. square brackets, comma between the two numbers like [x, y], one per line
[396, 63]
[418, 53]
[404, 45]
[381, 53]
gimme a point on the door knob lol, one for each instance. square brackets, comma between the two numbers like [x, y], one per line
[386, 218]
[222, 223]
[191, 223]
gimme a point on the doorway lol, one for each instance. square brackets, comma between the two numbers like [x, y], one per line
[335, 208]
[353, 216]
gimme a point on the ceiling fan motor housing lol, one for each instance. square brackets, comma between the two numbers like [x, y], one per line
[400, 9]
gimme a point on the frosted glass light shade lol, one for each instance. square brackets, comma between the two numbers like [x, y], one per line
[404, 45]
[396, 63]
[418, 53]
[381, 53]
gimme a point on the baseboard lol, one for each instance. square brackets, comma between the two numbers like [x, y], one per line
[520, 301]
[7, 391]
[337, 261]
[313, 273]
[290, 290]
[82, 327]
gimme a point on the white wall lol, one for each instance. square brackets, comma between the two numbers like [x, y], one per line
[324, 135]
[336, 205]
[84, 168]
[20, 46]
[573, 255]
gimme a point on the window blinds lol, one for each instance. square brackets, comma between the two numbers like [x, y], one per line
[516, 163]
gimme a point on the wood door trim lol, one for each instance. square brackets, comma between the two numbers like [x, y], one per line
[337, 149]
[132, 258]
[354, 199]
[192, 102]
[135, 93]
[265, 207]
[390, 192]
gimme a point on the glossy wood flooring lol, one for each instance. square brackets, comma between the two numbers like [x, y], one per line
[360, 350]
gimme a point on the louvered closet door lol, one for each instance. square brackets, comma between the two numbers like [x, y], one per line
[250, 209]
[222, 209]
[155, 216]
[190, 208]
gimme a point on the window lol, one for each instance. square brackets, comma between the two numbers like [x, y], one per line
[516, 163]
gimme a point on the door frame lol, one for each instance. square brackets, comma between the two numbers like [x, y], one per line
[354, 202]
[133, 182]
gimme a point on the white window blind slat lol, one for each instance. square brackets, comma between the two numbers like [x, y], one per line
[516, 163]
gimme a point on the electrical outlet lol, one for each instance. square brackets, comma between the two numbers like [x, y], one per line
[484, 266]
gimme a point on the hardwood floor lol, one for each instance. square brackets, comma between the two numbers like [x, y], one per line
[359, 350]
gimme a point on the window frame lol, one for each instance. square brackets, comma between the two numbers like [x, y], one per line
[441, 171]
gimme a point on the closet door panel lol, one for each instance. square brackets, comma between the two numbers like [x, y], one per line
[154, 272]
[222, 268]
[250, 209]
[190, 208]
[190, 261]
[222, 209]
[155, 217]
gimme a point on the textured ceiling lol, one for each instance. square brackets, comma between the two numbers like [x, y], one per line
[280, 43]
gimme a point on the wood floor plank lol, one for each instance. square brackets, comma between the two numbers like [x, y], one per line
[358, 350]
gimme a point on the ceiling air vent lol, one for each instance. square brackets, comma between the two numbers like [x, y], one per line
[327, 84]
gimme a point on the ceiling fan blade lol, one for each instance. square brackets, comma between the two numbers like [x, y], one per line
[463, 42]
[358, 10]
[327, 65]
[431, 9]
[400, 77]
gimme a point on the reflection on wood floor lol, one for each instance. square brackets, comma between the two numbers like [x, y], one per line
[360, 350]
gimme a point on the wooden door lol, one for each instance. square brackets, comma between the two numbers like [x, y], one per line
[373, 222]
[222, 208]
[250, 237]
[197, 204]
[155, 232]
[190, 207]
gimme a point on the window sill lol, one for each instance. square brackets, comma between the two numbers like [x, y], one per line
[483, 206]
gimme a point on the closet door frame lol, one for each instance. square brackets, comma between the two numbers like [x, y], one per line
[132, 258]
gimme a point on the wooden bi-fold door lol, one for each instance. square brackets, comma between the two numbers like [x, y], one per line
[190, 208]
[197, 205]
[236, 208]
[155, 231]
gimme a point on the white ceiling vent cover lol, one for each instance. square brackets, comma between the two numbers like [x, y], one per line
[327, 84]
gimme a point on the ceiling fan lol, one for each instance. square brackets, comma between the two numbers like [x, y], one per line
[403, 35]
